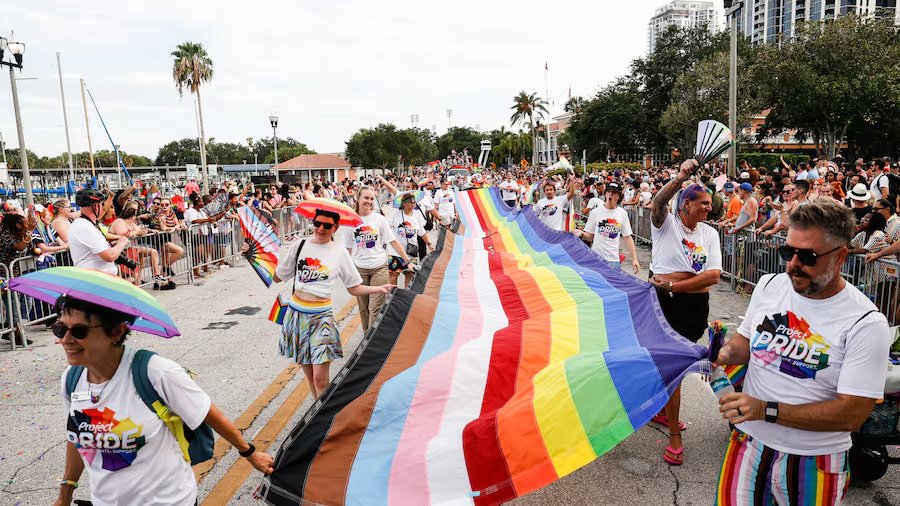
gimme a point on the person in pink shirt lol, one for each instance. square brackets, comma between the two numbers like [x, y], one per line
[192, 187]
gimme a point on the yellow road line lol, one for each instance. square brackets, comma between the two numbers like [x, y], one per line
[238, 473]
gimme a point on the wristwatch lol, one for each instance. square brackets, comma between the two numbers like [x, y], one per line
[771, 411]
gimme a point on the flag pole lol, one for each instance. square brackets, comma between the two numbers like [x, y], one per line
[549, 118]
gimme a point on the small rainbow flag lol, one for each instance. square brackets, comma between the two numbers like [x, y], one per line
[279, 308]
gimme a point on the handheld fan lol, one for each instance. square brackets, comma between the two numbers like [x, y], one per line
[713, 138]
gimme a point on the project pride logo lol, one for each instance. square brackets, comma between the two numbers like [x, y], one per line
[549, 210]
[406, 229]
[365, 236]
[312, 269]
[97, 433]
[788, 339]
[610, 227]
[695, 253]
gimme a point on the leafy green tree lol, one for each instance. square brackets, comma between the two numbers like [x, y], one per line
[828, 76]
[702, 93]
[574, 104]
[180, 152]
[459, 138]
[287, 152]
[387, 146]
[191, 68]
[614, 121]
[676, 52]
[526, 108]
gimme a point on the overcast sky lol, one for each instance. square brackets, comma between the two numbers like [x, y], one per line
[327, 68]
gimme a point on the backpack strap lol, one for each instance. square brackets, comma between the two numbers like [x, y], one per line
[296, 262]
[148, 394]
[72, 378]
[861, 318]
[141, 379]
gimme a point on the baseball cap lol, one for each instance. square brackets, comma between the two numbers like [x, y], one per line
[744, 175]
[728, 187]
[747, 187]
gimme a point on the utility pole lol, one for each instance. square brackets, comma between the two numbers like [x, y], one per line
[87, 127]
[732, 87]
[3, 148]
[23, 153]
[62, 94]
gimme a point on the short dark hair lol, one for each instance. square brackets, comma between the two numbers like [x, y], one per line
[887, 204]
[802, 184]
[110, 319]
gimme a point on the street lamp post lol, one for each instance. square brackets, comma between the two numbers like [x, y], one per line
[732, 86]
[17, 49]
[274, 121]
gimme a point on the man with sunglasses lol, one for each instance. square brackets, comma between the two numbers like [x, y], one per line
[309, 334]
[88, 246]
[815, 348]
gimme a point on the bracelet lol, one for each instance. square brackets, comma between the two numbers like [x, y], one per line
[71, 483]
[248, 452]
[671, 290]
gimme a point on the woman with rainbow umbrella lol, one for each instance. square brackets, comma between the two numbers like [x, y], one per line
[132, 414]
[309, 334]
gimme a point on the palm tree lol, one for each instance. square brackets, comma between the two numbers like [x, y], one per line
[526, 107]
[191, 68]
[574, 104]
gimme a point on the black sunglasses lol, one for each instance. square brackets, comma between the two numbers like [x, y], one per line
[78, 331]
[326, 226]
[807, 257]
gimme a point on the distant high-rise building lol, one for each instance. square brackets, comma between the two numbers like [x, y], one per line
[775, 21]
[683, 14]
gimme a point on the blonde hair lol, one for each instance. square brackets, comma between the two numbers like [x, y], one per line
[359, 195]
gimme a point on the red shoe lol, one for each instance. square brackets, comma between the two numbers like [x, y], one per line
[664, 420]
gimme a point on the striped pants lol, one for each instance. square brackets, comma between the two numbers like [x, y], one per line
[753, 473]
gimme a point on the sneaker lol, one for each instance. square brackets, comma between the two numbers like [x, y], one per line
[168, 286]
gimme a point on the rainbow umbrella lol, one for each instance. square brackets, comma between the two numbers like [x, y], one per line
[308, 208]
[99, 288]
[417, 194]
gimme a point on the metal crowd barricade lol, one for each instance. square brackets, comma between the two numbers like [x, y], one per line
[7, 326]
[157, 252]
[640, 223]
[290, 225]
[213, 244]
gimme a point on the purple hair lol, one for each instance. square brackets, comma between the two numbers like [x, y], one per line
[691, 193]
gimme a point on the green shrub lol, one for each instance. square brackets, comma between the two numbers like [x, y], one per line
[772, 160]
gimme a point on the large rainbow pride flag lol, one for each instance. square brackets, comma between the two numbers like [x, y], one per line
[516, 357]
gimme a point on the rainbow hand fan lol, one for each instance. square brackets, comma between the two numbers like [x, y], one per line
[713, 138]
[264, 245]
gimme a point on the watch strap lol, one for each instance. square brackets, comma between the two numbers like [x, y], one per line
[771, 411]
[248, 452]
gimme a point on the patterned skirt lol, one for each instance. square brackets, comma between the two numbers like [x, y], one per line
[310, 338]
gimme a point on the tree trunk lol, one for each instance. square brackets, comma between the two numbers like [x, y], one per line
[205, 174]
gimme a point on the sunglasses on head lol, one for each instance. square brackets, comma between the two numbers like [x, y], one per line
[78, 331]
[807, 257]
[326, 226]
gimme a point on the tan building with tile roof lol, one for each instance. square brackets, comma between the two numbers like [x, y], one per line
[308, 167]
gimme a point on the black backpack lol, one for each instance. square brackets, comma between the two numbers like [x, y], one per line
[893, 186]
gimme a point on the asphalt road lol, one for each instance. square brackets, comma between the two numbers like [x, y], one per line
[229, 343]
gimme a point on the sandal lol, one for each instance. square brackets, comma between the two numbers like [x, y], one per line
[676, 458]
[664, 420]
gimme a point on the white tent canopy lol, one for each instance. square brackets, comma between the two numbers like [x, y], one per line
[561, 164]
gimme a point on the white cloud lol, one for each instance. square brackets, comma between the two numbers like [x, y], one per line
[326, 68]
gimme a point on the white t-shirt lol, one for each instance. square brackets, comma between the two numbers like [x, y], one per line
[629, 193]
[608, 227]
[509, 190]
[317, 268]
[596, 202]
[191, 214]
[674, 249]
[367, 242]
[444, 202]
[425, 203]
[407, 228]
[645, 198]
[806, 350]
[550, 211]
[878, 182]
[130, 455]
[86, 242]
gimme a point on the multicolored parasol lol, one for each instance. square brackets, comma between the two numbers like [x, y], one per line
[99, 288]
[308, 208]
[398, 200]
[260, 235]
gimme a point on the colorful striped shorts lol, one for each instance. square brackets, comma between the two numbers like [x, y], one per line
[309, 334]
[753, 473]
